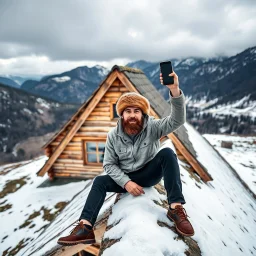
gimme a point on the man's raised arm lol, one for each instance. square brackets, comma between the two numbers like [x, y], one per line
[177, 117]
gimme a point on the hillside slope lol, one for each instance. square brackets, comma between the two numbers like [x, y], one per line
[24, 115]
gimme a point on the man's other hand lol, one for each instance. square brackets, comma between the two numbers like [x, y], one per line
[133, 188]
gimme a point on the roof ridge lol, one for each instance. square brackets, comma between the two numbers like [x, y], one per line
[128, 69]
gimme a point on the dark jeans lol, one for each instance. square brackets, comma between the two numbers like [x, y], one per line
[164, 164]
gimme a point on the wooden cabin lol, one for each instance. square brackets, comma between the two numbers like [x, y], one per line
[77, 150]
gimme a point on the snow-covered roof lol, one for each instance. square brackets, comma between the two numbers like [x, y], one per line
[222, 212]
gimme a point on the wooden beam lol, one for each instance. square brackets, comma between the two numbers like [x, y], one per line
[69, 175]
[95, 113]
[102, 104]
[91, 105]
[94, 129]
[101, 123]
[114, 89]
[99, 118]
[67, 156]
[73, 250]
[125, 81]
[123, 89]
[102, 135]
[102, 109]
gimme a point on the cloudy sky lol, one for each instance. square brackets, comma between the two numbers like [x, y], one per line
[52, 36]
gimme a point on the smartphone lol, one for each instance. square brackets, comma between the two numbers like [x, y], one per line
[166, 69]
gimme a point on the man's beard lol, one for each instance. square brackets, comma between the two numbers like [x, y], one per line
[132, 128]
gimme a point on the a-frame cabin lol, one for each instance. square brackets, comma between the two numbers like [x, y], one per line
[77, 150]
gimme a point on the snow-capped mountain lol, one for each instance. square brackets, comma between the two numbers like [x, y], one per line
[74, 86]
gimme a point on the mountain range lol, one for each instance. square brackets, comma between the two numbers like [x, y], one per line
[225, 78]
[220, 97]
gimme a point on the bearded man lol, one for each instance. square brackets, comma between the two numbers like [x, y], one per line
[132, 160]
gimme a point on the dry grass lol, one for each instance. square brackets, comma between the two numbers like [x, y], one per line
[11, 186]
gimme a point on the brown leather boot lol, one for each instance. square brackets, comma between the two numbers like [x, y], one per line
[179, 216]
[78, 235]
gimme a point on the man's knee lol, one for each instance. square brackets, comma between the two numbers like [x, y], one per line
[100, 180]
[167, 152]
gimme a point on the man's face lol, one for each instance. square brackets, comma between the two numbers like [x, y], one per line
[132, 120]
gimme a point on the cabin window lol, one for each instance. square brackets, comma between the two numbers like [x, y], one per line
[94, 152]
[113, 111]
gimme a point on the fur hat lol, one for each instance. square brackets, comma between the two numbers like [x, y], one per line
[132, 99]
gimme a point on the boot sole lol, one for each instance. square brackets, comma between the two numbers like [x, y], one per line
[66, 243]
[170, 218]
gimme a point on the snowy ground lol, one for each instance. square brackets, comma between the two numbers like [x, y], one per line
[242, 156]
[26, 209]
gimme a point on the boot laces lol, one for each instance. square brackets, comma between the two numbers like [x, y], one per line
[78, 225]
[182, 213]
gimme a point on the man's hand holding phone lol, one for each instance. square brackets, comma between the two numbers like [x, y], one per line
[173, 87]
[133, 188]
[169, 78]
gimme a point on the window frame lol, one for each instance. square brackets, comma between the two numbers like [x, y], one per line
[84, 147]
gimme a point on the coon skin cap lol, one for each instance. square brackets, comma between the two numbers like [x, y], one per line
[132, 99]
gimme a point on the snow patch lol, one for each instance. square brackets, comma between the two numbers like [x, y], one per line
[43, 103]
[61, 79]
[27, 111]
[40, 111]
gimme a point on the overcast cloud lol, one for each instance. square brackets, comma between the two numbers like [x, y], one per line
[52, 36]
